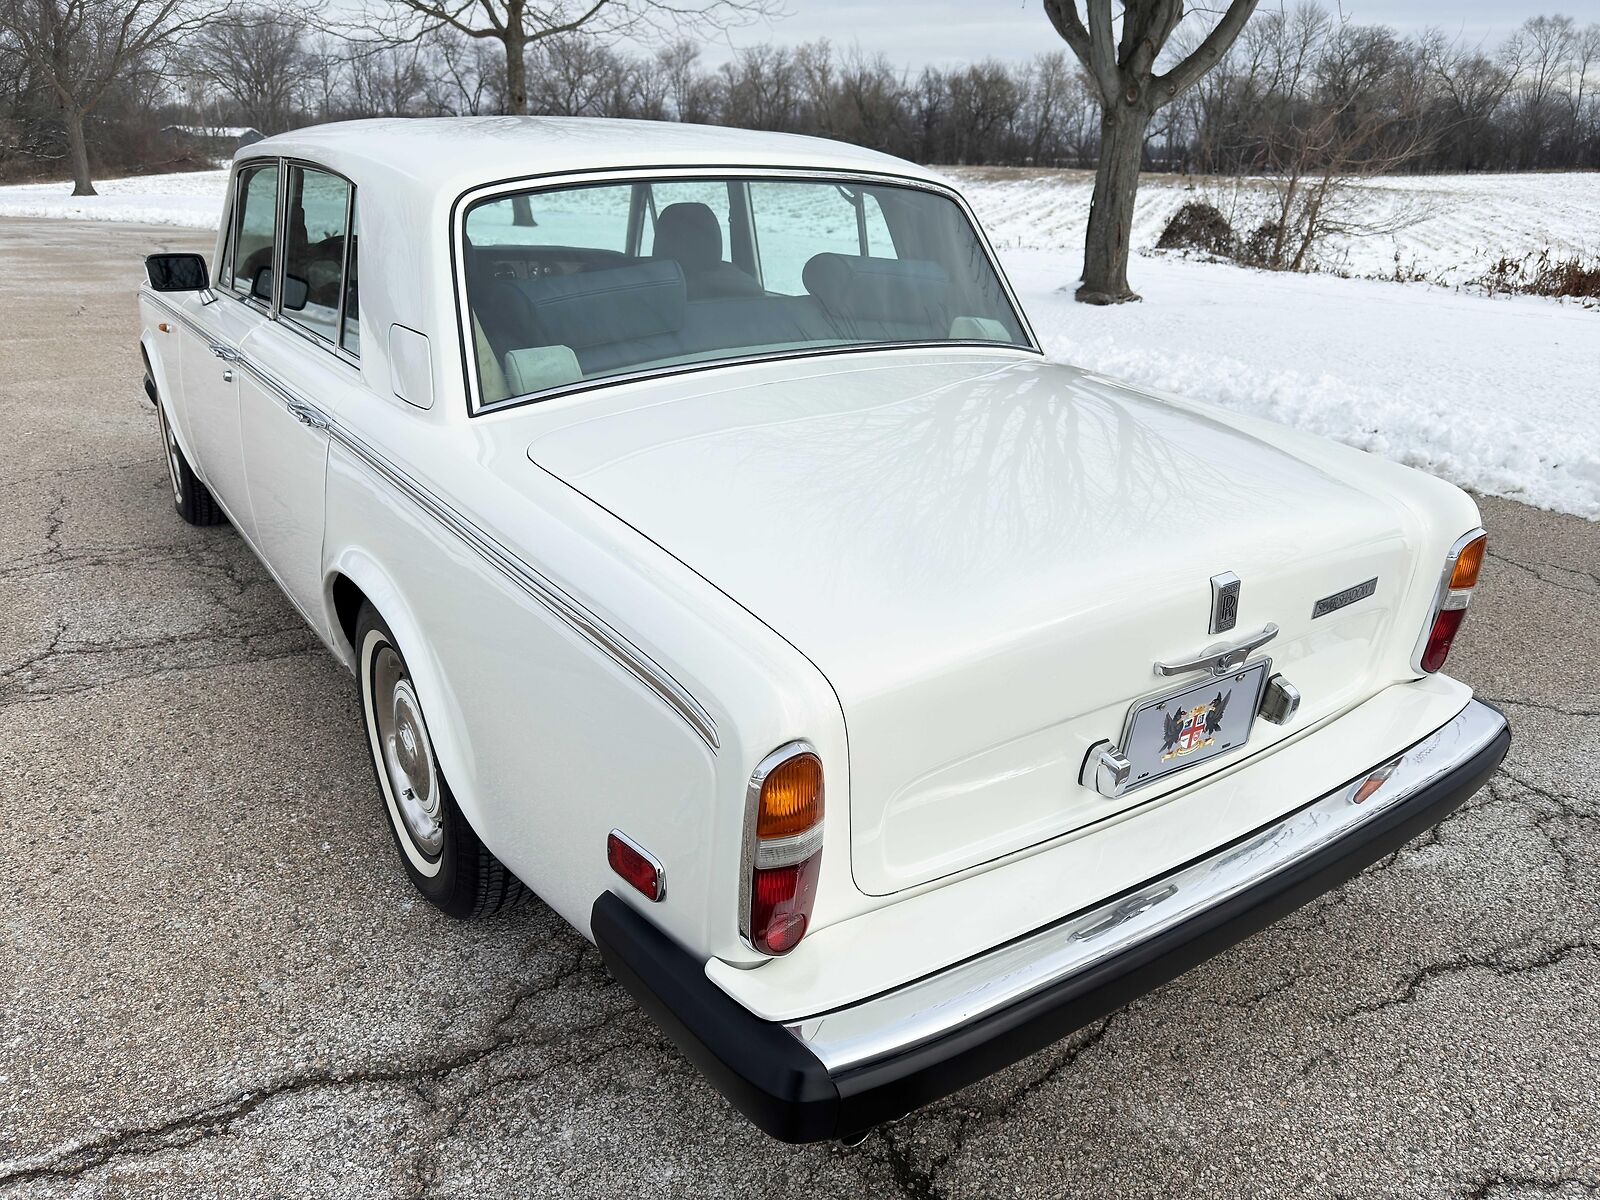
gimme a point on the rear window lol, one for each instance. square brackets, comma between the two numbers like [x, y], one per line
[568, 285]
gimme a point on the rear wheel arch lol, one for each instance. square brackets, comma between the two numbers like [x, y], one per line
[355, 578]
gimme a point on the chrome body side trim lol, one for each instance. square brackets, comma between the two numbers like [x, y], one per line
[920, 1012]
[587, 624]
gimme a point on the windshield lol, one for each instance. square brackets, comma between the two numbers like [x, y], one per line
[582, 283]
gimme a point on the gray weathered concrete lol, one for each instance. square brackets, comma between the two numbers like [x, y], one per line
[214, 978]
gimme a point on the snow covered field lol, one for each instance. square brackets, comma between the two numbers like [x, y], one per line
[1451, 228]
[193, 198]
[1499, 395]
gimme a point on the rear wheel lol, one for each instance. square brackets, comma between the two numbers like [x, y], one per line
[192, 499]
[438, 848]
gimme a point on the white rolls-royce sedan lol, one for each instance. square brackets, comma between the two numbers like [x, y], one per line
[720, 558]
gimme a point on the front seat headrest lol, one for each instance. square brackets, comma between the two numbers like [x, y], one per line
[690, 234]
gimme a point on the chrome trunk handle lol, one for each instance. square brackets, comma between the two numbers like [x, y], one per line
[1221, 659]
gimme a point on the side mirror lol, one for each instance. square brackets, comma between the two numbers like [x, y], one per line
[177, 273]
[296, 291]
[261, 285]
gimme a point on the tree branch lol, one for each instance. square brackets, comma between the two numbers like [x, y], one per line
[1208, 52]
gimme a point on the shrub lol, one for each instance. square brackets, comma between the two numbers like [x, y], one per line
[1543, 274]
[1198, 226]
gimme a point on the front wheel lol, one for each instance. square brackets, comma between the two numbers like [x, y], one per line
[440, 852]
[192, 499]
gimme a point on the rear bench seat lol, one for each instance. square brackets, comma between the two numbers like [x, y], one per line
[619, 317]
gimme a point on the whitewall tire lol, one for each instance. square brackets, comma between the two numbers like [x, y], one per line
[439, 850]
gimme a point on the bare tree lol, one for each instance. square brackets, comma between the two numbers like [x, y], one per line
[80, 49]
[1130, 91]
[521, 25]
[254, 58]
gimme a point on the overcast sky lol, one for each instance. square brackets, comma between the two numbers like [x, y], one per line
[915, 32]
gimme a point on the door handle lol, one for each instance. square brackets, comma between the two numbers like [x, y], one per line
[225, 353]
[1221, 659]
[307, 415]
[227, 376]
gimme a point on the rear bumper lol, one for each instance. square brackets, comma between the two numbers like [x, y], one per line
[840, 1073]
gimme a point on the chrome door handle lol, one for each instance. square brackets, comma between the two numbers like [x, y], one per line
[225, 353]
[308, 416]
[227, 377]
[1222, 658]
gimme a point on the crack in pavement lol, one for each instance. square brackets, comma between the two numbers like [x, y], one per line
[16, 681]
[185, 1130]
[921, 1183]
[1491, 1182]
[1556, 583]
[1503, 701]
[1497, 960]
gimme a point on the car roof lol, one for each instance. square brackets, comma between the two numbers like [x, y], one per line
[452, 154]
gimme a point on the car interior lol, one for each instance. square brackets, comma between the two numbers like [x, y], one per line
[545, 316]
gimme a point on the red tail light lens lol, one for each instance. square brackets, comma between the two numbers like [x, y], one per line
[1455, 594]
[780, 905]
[1440, 637]
[783, 848]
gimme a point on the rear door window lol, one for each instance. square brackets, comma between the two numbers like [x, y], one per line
[315, 228]
[252, 261]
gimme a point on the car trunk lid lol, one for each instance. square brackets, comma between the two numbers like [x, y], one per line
[986, 556]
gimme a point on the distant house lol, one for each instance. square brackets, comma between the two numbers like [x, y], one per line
[211, 140]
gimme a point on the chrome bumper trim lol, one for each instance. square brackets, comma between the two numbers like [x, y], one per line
[920, 1012]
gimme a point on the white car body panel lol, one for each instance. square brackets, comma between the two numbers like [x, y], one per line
[602, 637]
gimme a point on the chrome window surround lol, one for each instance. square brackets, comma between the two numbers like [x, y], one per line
[1445, 597]
[714, 171]
[564, 607]
[273, 312]
[751, 847]
[922, 1011]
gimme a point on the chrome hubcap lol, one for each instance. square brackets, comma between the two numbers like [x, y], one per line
[172, 456]
[407, 752]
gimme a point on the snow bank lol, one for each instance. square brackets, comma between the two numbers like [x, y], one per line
[192, 198]
[1498, 395]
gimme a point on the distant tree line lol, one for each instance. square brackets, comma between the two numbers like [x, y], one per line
[1301, 91]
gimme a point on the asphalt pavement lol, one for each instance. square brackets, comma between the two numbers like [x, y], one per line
[215, 979]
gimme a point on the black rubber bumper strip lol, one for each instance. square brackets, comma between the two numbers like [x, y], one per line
[785, 1090]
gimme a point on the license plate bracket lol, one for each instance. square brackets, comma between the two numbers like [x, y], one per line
[1192, 723]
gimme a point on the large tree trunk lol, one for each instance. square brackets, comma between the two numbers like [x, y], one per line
[1116, 183]
[516, 74]
[78, 148]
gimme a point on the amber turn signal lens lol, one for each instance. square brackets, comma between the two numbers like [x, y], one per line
[791, 797]
[1469, 563]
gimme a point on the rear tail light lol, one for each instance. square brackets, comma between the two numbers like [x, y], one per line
[1460, 576]
[782, 849]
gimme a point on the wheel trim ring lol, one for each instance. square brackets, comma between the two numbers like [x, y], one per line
[170, 441]
[424, 864]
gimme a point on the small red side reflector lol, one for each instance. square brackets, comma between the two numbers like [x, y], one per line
[1440, 638]
[634, 864]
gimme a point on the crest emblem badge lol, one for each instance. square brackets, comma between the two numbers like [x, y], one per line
[1191, 729]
